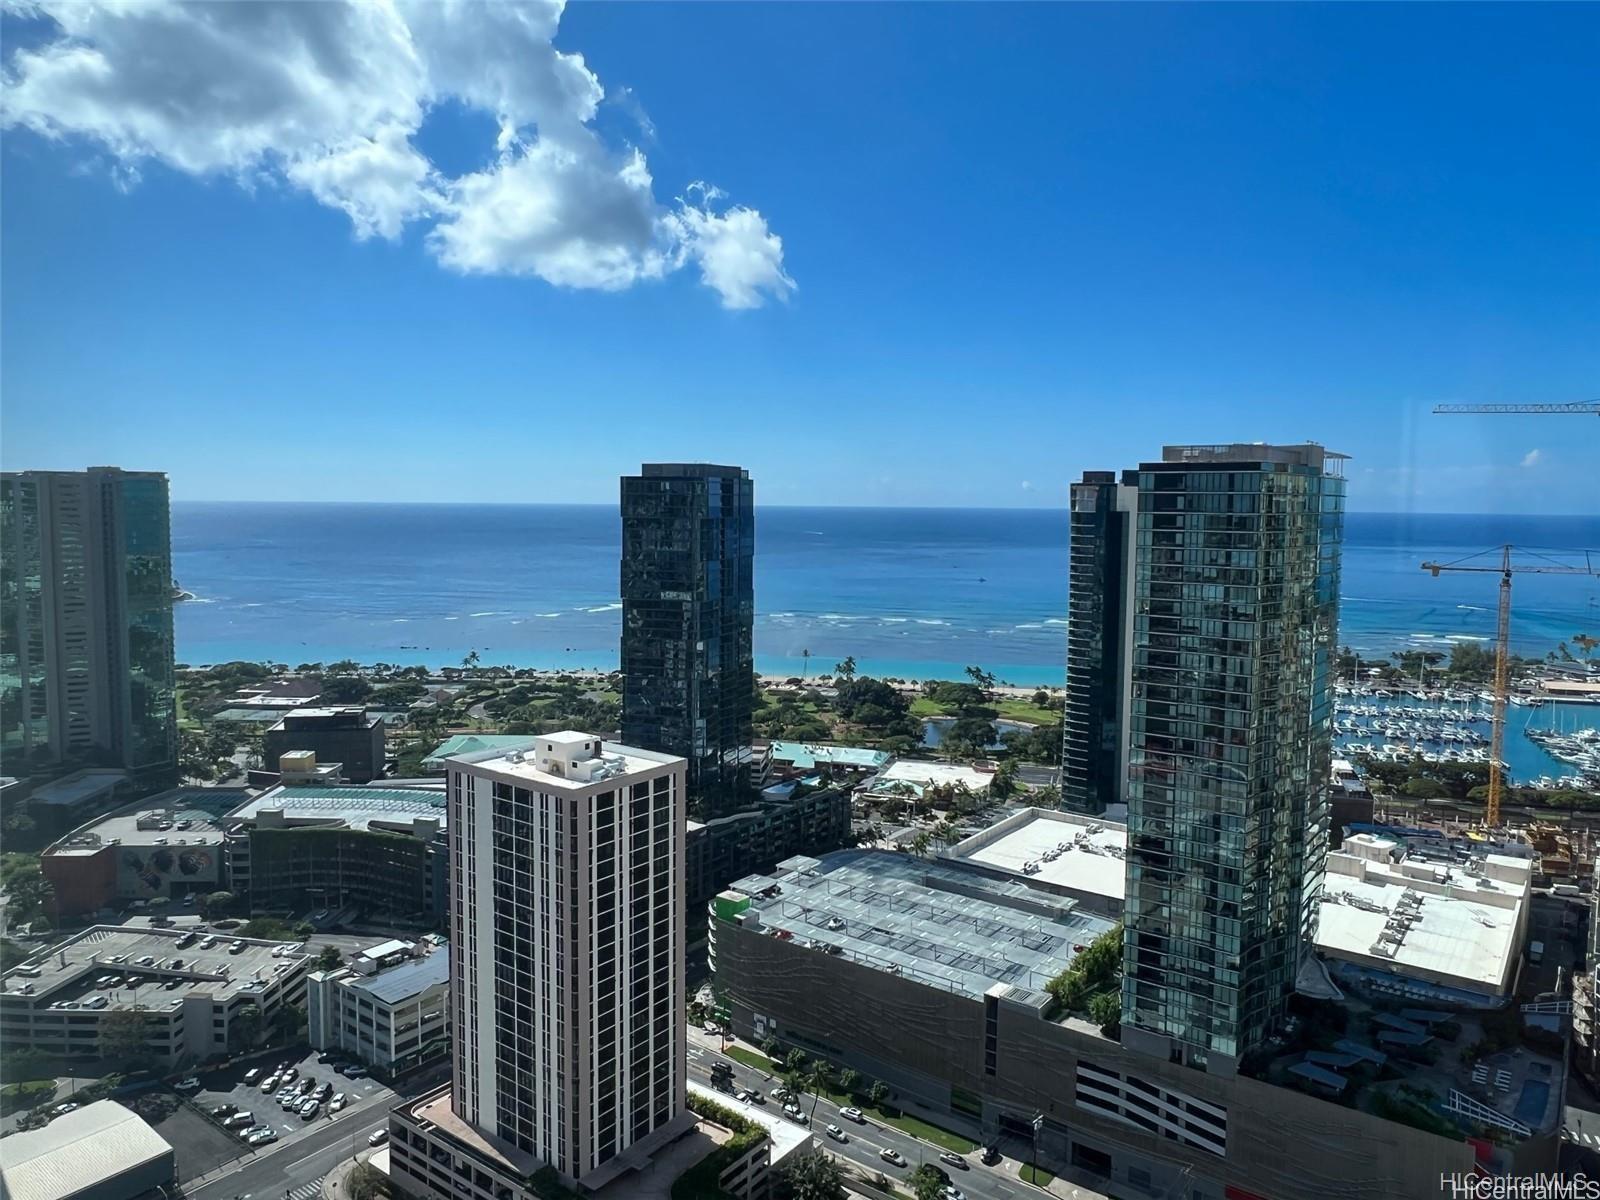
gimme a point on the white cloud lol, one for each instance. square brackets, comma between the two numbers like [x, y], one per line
[1531, 458]
[328, 98]
[1027, 485]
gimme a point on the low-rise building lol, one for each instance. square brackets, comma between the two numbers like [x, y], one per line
[784, 759]
[910, 779]
[1436, 924]
[380, 849]
[70, 800]
[473, 743]
[1412, 927]
[348, 735]
[787, 820]
[190, 988]
[930, 976]
[102, 1151]
[387, 1006]
[168, 846]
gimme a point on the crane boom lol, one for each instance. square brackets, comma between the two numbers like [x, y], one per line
[1591, 407]
[1502, 660]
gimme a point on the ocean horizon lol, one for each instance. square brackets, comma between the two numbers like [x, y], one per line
[909, 592]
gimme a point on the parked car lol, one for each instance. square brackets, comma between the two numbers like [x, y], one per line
[290, 1073]
[892, 1157]
[712, 1028]
[270, 1083]
[853, 1114]
[253, 1074]
[951, 1159]
[208, 941]
[191, 1084]
[323, 1092]
[240, 1120]
[224, 1110]
[236, 948]
[62, 1110]
[337, 1102]
[310, 1109]
[378, 1138]
[326, 1057]
[263, 1137]
[990, 1155]
[353, 1071]
[952, 1192]
[838, 1134]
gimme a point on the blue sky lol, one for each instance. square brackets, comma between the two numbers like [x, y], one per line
[964, 252]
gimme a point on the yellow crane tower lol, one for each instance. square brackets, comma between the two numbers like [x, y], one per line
[1502, 656]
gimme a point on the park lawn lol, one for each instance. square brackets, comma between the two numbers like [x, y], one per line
[1022, 710]
[922, 706]
[1036, 1175]
[751, 1058]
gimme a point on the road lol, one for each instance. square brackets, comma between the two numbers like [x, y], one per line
[978, 1182]
[286, 1169]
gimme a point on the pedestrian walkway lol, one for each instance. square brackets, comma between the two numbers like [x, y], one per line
[305, 1191]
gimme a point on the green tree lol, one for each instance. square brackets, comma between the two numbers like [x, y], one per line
[366, 1182]
[1003, 784]
[878, 1093]
[216, 904]
[345, 689]
[928, 1182]
[1045, 796]
[983, 680]
[794, 1062]
[809, 1177]
[921, 843]
[850, 1081]
[245, 1028]
[1419, 787]
[330, 958]
[1105, 1010]
[288, 1021]
[471, 660]
[122, 1033]
[847, 668]
[1040, 699]
[770, 1047]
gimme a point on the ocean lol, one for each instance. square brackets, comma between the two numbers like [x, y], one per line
[909, 592]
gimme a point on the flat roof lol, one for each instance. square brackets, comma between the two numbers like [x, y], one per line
[925, 774]
[407, 980]
[1089, 853]
[787, 1137]
[68, 970]
[809, 754]
[201, 807]
[633, 761]
[77, 1151]
[77, 788]
[936, 921]
[1452, 936]
[353, 806]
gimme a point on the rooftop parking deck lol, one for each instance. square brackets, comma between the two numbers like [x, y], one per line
[938, 922]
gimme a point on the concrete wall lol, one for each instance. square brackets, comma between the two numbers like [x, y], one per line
[929, 1046]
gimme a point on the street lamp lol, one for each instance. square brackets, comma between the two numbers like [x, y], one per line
[1033, 1165]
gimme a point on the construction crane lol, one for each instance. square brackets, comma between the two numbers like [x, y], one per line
[1591, 407]
[1502, 656]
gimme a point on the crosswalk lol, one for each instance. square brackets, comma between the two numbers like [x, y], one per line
[305, 1191]
[1578, 1137]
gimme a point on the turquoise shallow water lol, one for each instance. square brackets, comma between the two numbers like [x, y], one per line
[908, 592]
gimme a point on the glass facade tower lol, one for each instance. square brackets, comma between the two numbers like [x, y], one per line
[1093, 747]
[86, 631]
[1234, 612]
[688, 613]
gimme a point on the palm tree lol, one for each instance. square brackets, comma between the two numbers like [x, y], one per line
[805, 663]
[811, 1177]
[818, 1078]
[920, 843]
[847, 668]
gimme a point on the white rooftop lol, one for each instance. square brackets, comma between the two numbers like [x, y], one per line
[1453, 939]
[566, 760]
[78, 1151]
[932, 774]
[1091, 860]
[787, 1137]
